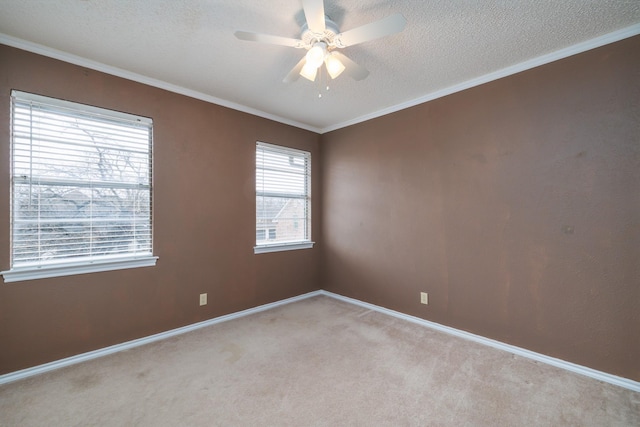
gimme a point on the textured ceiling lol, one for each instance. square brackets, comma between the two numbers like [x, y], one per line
[189, 46]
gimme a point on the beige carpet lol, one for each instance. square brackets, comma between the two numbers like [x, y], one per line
[316, 362]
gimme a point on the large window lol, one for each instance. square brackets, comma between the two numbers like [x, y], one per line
[81, 189]
[283, 198]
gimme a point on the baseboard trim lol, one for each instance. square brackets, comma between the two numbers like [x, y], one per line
[40, 369]
[558, 363]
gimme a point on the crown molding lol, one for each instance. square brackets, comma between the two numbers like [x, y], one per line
[119, 72]
[603, 40]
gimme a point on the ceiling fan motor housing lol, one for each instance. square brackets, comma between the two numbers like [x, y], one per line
[309, 38]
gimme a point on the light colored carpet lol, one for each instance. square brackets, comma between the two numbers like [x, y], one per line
[316, 362]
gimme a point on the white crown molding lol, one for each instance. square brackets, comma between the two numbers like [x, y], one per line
[613, 37]
[558, 363]
[118, 72]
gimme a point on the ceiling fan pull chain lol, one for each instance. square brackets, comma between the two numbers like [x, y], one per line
[327, 83]
[323, 81]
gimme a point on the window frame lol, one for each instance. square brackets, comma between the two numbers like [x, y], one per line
[73, 266]
[306, 243]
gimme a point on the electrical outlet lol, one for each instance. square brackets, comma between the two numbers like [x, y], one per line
[424, 298]
[203, 299]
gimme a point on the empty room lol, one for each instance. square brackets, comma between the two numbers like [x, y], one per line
[319, 213]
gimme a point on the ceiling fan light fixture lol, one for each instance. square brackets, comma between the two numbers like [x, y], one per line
[321, 38]
[335, 67]
[309, 71]
[315, 56]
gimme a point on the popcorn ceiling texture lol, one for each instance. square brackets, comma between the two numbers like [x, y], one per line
[191, 44]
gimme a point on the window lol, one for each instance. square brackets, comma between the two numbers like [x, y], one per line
[283, 198]
[81, 189]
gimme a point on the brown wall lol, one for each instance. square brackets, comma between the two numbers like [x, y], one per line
[470, 198]
[467, 197]
[204, 216]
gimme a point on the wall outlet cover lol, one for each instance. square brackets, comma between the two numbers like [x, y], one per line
[424, 298]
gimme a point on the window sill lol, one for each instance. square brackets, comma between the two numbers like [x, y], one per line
[263, 249]
[69, 269]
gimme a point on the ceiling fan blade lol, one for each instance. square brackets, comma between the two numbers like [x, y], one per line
[314, 14]
[295, 72]
[266, 38]
[352, 69]
[384, 27]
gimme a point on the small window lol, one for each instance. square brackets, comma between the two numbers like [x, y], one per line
[283, 198]
[81, 189]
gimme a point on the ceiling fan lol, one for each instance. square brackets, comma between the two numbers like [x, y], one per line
[322, 40]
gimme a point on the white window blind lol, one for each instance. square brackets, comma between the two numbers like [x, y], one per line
[283, 196]
[81, 183]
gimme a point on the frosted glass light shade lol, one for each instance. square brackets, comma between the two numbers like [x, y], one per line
[309, 71]
[334, 66]
[315, 55]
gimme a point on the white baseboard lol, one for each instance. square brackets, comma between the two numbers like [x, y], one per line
[29, 372]
[582, 370]
[558, 363]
